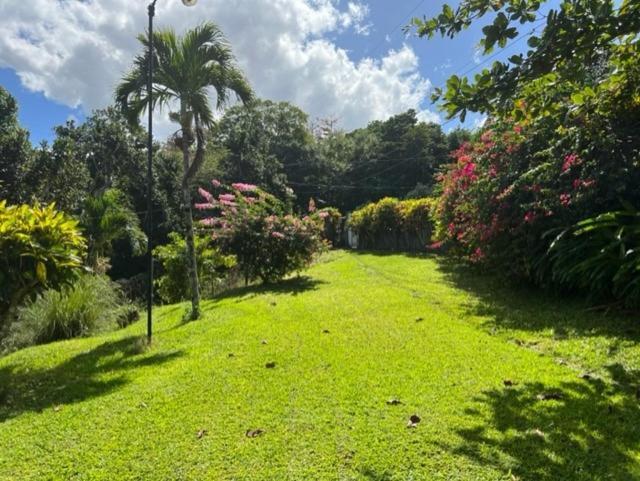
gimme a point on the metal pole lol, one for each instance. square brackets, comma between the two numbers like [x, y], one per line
[151, 11]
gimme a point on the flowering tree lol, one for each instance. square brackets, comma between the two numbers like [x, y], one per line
[253, 225]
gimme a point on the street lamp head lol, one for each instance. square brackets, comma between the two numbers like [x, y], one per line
[189, 3]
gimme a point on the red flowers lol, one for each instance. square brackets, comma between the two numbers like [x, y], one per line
[569, 161]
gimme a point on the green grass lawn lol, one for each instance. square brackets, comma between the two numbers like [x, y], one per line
[357, 331]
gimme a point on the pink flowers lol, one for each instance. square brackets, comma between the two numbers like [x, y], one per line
[569, 161]
[435, 245]
[565, 199]
[206, 194]
[227, 197]
[277, 235]
[205, 205]
[216, 183]
[577, 183]
[477, 255]
[529, 217]
[323, 214]
[244, 187]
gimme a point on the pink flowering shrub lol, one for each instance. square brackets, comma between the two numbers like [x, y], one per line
[267, 241]
[507, 189]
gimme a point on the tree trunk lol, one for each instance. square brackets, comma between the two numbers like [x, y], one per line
[188, 217]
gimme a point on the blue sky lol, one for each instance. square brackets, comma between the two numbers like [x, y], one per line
[294, 55]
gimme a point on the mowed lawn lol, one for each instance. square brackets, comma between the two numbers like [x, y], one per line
[354, 333]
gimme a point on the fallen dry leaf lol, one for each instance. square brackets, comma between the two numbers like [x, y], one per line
[270, 365]
[508, 383]
[394, 402]
[57, 408]
[264, 341]
[143, 405]
[414, 419]
[419, 319]
[254, 433]
[548, 396]
[231, 354]
[202, 433]
[325, 331]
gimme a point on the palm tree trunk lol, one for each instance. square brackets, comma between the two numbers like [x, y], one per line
[192, 266]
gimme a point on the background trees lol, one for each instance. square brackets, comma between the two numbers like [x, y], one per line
[15, 149]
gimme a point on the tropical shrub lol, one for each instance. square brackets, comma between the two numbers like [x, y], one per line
[515, 182]
[331, 220]
[173, 284]
[92, 304]
[600, 254]
[40, 248]
[254, 226]
[392, 224]
[107, 217]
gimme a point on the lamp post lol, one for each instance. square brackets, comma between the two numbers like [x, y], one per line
[151, 9]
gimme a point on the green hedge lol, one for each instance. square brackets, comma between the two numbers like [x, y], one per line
[392, 224]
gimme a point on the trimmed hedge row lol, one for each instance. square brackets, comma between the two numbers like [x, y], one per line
[392, 224]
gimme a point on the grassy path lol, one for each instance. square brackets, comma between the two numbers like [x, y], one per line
[358, 331]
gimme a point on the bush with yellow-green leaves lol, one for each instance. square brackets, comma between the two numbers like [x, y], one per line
[392, 224]
[40, 248]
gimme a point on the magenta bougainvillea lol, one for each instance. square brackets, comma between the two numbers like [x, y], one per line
[497, 200]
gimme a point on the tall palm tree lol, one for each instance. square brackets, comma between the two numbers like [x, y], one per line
[185, 70]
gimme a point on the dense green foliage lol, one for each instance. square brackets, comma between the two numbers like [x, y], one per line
[254, 226]
[105, 218]
[560, 146]
[562, 66]
[91, 305]
[40, 247]
[172, 281]
[345, 342]
[392, 224]
[15, 149]
[600, 255]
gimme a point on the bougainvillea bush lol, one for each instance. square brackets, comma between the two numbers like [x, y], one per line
[392, 224]
[510, 192]
[267, 241]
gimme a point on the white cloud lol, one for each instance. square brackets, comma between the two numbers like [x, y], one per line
[76, 51]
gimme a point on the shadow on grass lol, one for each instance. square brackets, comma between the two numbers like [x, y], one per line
[87, 375]
[293, 286]
[591, 432]
[585, 435]
[529, 308]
